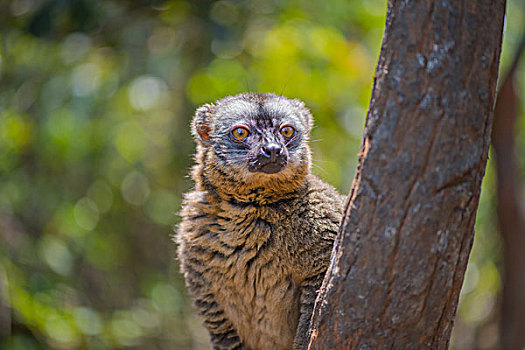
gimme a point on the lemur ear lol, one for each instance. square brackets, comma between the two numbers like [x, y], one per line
[201, 126]
[304, 112]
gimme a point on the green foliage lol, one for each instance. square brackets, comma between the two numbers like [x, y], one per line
[95, 103]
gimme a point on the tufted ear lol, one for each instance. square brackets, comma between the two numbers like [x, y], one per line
[201, 125]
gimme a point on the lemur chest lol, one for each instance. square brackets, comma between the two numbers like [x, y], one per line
[252, 279]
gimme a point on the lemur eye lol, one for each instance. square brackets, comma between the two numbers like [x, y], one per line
[287, 131]
[240, 133]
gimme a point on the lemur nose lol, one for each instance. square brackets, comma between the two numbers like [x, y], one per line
[272, 151]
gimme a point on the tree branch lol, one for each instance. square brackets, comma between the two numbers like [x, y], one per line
[511, 217]
[400, 257]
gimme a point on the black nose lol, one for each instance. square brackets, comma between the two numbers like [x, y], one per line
[272, 151]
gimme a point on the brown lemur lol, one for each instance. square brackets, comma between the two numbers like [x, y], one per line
[257, 231]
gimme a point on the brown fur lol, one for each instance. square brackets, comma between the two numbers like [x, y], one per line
[254, 247]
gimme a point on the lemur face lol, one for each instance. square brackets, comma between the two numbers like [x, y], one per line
[261, 133]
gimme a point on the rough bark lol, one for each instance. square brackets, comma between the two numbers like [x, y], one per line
[400, 257]
[511, 215]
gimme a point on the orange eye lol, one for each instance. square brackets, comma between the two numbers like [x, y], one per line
[240, 133]
[287, 131]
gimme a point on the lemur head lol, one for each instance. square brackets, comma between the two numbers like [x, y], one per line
[254, 136]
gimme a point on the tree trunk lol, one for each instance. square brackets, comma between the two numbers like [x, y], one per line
[511, 217]
[400, 257]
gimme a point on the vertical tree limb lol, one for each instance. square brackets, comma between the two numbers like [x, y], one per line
[5, 311]
[400, 257]
[511, 216]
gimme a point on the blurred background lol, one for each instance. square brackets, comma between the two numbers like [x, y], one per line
[95, 103]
